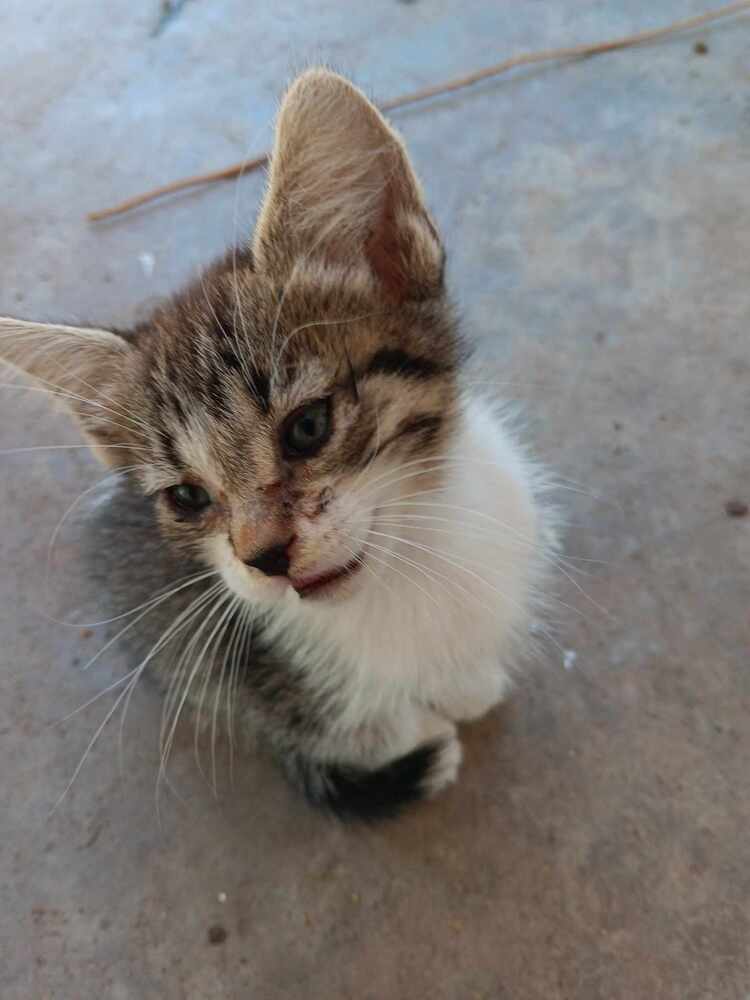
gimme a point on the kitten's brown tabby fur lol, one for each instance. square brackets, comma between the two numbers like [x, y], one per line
[334, 323]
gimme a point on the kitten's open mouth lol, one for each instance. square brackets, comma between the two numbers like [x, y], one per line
[326, 583]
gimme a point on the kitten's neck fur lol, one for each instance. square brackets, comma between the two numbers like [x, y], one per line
[466, 561]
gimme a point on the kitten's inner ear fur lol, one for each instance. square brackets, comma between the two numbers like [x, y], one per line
[342, 191]
[77, 365]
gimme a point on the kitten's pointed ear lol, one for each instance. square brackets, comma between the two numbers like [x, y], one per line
[83, 368]
[341, 189]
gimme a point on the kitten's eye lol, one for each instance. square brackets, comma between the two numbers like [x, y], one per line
[188, 497]
[305, 431]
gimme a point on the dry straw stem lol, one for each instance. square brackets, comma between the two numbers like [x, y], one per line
[438, 90]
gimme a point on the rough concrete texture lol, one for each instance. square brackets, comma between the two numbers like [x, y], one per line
[597, 218]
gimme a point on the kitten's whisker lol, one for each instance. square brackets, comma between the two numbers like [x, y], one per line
[441, 554]
[406, 520]
[237, 644]
[406, 500]
[438, 578]
[558, 562]
[358, 556]
[463, 568]
[243, 650]
[130, 680]
[47, 347]
[124, 694]
[216, 608]
[181, 622]
[128, 627]
[274, 330]
[95, 698]
[431, 491]
[210, 598]
[50, 546]
[58, 392]
[65, 447]
[437, 460]
[468, 529]
[233, 620]
[503, 525]
[446, 585]
[175, 681]
[436, 465]
[235, 280]
[158, 598]
[555, 483]
[364, 563]
[404, 559]
[100, 694]
[316, 323]
[181, 666]
[447, 461]
[236, 623]
[479, 528]
[209, 673]
[368, 465]
[508, 533]
[119, 411]
[432, 574]
[217, 637]
[90, 746]
[467, 383]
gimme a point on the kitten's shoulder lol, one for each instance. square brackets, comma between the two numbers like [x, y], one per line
[493, 444]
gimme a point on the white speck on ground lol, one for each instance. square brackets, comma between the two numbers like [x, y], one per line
[569, 659]
[148, 263]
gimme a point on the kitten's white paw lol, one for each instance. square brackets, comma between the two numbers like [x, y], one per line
[469, 705]
[444, 768]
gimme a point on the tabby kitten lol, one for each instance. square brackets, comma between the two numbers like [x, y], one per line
[298, 420]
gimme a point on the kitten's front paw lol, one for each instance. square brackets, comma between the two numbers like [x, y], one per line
[439, 734]
[469, 705]
[444, 768]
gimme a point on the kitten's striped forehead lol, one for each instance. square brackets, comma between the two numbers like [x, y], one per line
[234, 354]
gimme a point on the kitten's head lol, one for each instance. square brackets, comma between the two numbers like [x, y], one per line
[274, 406]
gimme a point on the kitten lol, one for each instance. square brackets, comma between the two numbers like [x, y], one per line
[299, 421]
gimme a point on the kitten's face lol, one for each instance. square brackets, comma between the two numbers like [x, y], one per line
[277, 404]
[280, 416]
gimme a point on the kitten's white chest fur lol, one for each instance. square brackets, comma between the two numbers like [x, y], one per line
[440, 620]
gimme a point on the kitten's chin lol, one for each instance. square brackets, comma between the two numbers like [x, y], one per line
[269, 590]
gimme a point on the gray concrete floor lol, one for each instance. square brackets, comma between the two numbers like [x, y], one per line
[598, 220]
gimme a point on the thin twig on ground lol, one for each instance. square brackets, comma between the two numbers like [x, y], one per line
[440, 89]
